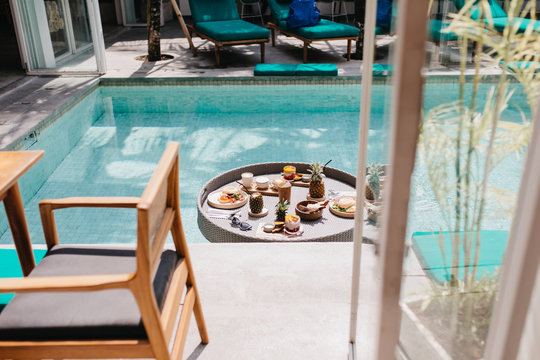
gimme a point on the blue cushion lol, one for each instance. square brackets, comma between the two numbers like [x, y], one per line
[232, 30]
[325, 29]
[213, 10]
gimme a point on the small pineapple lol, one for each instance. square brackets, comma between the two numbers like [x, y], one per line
[281, 210]
[373, 181]
[256, 203]
[316, 186]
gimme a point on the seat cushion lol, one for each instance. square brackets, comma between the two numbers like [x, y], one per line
[517, 66]
[293, 69]
[279, 9]
[500, 23]
[232, 30]
[274, 70]
[106, 314]
[496, 10]
[316, 70]
[436, 31]
[325, 29]
[213, 10]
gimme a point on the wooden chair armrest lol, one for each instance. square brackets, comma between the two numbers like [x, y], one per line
[65, 283]
[106, 202]
[46, 208]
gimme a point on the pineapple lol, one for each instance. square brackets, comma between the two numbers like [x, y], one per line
[256, 203]
[373, 178]
[316, 186]
[281, 210]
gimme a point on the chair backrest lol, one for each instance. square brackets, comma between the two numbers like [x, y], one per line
[157, 209]
[279, 9]
[496, 10]
[213, 10]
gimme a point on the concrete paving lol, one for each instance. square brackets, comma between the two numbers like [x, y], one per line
[286, 301]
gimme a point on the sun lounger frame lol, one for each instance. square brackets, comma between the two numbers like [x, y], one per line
[218, 44]
[273, 27]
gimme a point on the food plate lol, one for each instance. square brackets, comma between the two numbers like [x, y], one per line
[334, 208]
[213, 200]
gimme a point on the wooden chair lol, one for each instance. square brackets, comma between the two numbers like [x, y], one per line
[103, 302]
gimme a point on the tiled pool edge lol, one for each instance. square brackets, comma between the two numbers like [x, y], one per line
[49, 118]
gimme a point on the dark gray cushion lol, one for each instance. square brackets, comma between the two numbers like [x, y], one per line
[106, 314]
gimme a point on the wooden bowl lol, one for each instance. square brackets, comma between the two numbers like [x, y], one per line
[305, 215]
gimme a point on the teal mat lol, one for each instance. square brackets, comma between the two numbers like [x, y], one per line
[427, 249]
[10, 267]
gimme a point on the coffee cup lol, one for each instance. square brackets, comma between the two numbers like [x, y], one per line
[247, 179]
[262, 182]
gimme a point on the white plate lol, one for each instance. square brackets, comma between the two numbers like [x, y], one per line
[213, 200]
[339, 213]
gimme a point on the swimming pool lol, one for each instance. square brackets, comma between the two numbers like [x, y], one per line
[109, 142]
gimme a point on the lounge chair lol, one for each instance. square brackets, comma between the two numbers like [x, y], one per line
[219, 22]
[500, 17]
[101, 302]
[325, 30]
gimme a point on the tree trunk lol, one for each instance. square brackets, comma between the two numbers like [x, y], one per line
[359, 19]
[153, 20]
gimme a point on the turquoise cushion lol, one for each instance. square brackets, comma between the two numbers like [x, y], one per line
[496, 9]
[523, 65]
[213, 10]
[500, 23]
[316, 70]
[379, 30]
[279, 9]
[382, 69]
[232, 30]
[436, 28]
[10, 267]
[274, 69]
[427, 249]
[293, 69]
[325, 29]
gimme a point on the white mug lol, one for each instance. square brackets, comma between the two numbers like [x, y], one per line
[247, 179]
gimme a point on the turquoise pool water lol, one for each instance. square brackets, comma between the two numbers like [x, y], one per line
[109, 143]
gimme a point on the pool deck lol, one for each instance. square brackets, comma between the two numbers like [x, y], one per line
[261, 301]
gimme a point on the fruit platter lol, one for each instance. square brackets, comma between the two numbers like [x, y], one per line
[230, 197]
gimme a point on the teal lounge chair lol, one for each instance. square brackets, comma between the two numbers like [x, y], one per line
[218, 21]
[325, 30]
[500, 17]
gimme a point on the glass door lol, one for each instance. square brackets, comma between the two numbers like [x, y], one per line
[57, 27]
[68, 26]
[80, 25]
[60, 35]
[134, 12]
